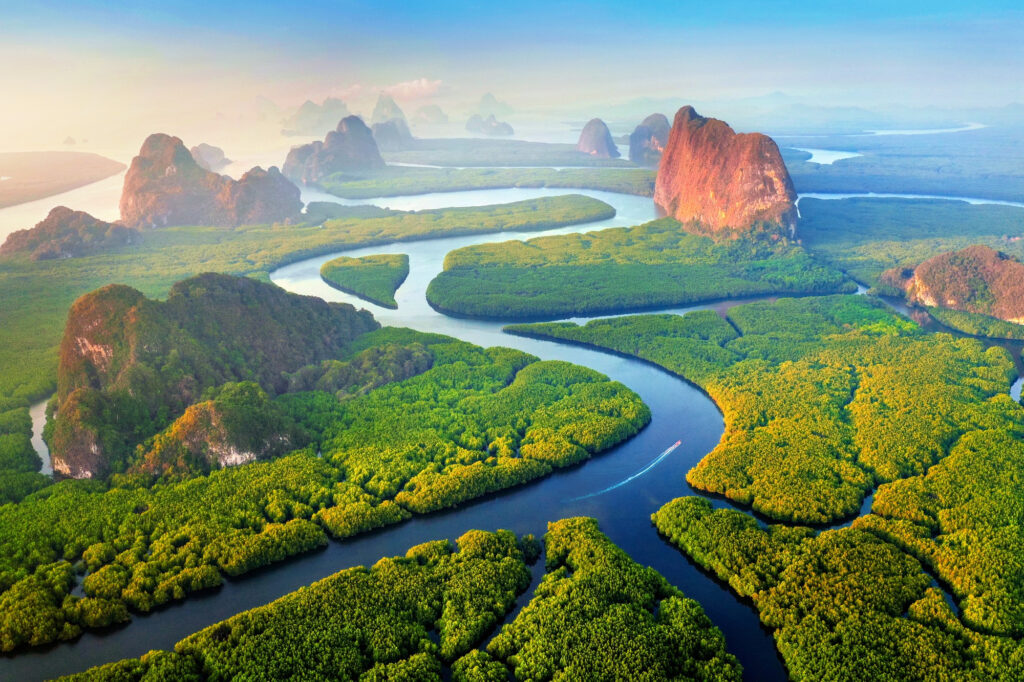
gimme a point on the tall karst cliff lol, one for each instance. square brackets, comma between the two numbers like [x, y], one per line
[350, 147]
[129, 365]
[165, 186]
[718, 182]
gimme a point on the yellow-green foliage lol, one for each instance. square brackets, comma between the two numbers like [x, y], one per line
[654, 265]
[844, 604]
[374, 278]
[473, 421]
[371, 623]
[820, 397]
[597, 615]
[823, 398]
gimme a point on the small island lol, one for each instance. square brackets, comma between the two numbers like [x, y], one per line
[371, 278]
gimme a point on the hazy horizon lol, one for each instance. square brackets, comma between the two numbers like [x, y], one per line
[111, 74]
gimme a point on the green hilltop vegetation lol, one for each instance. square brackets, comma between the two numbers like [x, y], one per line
[129, 365]
[406, 180]
[373, 278]
[823, 399]
[469, 152]
[977, 324]
[405, 423]
[38, 294]
[595, 615]
[657, 264]
[865, 237]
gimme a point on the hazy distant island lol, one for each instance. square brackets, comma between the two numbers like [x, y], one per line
[35, 175]
[488, 126]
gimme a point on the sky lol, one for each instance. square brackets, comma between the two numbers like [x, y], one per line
[111, 71]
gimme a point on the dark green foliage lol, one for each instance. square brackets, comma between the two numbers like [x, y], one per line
[977, 324]
[130, 365]
[456, 421]
[404, 180]
[374, 278]
[597, 615]
[371, 623]
[653, 265]
[865, 237]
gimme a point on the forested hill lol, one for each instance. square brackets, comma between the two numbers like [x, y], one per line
[977, 279]
[129, 365]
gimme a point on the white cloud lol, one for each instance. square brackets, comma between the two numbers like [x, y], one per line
[414, 89]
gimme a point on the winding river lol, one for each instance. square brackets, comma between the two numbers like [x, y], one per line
[621, 487]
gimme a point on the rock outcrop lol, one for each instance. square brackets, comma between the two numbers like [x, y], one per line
[315, 119]
[209, 157]
[68, 234]
[239, 425]
[165, 186]
[350, 147]
[488, 126]
[647, 141]
[977, 279]
[385, 110]
[430, 114]
[718, 182]
[393, 135]
[130, 365]
[596, 140]
[492, 106]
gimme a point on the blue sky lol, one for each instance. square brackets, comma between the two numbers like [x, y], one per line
[181, 57]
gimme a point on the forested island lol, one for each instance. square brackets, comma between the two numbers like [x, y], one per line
[427, 613]
[656, 265]
[373, 278]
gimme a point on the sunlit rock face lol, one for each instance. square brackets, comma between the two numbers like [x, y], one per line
[596, 140]
[977, 279]
[716, 181]
[209, 157]
[647, 141]
[350, 147]
[165, 186]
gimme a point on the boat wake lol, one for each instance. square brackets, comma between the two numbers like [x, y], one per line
[626, 480]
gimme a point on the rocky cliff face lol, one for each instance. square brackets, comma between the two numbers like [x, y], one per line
[386, 109]
[596, 140]
[165, 186]
[647, 141]
[393, 135]
[128, 365]
[68, 234]
[977, 279]
[488, 126]
[315, 119]
[716, 181]
[238, 426]
[350, 147]
[209, 157]
[430, 114]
